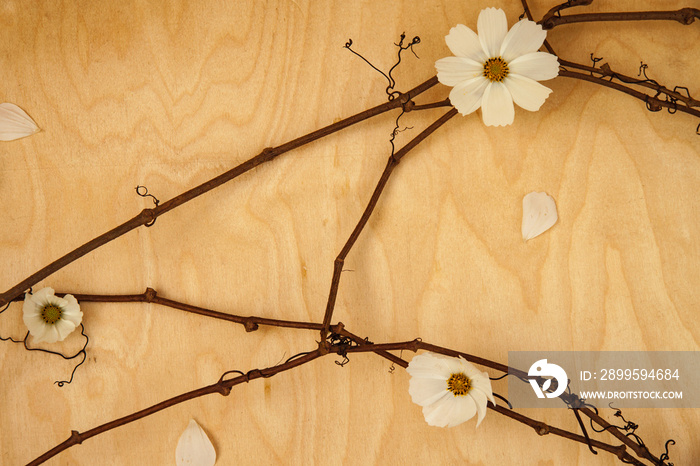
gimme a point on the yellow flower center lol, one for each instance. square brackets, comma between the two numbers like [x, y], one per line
[495, 69]
[459, 384]
[51, 313]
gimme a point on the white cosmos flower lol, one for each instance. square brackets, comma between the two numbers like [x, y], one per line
[497, 67]
[50, 318]
[450, 390]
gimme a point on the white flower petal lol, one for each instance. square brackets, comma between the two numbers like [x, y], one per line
[51, 335]
[36, 325]
[64, 328]
[463, 42]
[539, 214]
[524, 37]
[42, 296]
[463, 409]
[467, 96]
[15, 123]
[497, 105]
[194, 447]
[482, 383]
[425, 391]
[479, 403]
[539, 66]
[71, 311]
[493, 27]
[450, 411]
[526, 93]
[454, 70]
[437, 414]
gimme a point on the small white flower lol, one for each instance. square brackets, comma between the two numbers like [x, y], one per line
[50, 318]
[450, 390]
[539, 214]
[15, 123]
[497, 67]
[194, 447]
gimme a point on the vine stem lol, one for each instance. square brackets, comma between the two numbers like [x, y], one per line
[151, 296]
[222, 387]
[148, 216]
[393, 161]
[540, 427]
[684, 16]
[652, 102]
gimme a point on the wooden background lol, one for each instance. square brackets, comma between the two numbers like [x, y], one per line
[170, 94]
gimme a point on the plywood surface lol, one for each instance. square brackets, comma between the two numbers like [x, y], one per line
[170, 94]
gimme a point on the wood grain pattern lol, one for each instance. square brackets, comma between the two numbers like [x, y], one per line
[170, 94]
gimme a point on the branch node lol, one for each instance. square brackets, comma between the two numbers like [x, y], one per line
[222, 390]
[249, 325]
[324, 347]
[150, 295]
[149, 217]
[75, 437]
[542, 429]
[687, 15]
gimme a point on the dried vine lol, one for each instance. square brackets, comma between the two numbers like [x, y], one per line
[334, 338]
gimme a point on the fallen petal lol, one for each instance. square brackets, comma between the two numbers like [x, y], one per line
[194, 447]
[539, 214]
[15, 123]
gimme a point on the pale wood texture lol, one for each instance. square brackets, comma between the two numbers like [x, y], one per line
[169, 94]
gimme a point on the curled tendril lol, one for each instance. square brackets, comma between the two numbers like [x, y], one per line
[143, 192]
[343, 343]
[82, 351]
[222, 380]
[651, 102]
[8, 338]
[502, 398]
[664, 456]
[595, 60]
[391, 93]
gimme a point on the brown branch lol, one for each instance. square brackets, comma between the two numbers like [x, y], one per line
[653, 103]
[569, 399]
[540, 427]
[605, 71]
[391, 164]
[684, 16]
[222, 387]
[151, 296]
[148, 216]
[543, 428]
